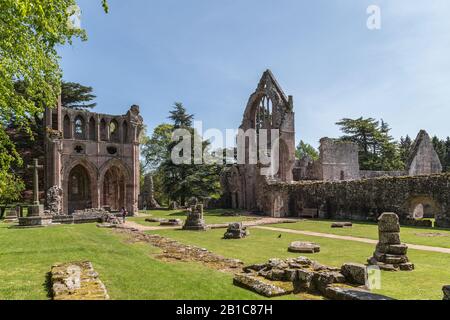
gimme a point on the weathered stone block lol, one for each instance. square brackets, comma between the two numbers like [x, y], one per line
[254, 284]
[304, 247]
[389, 237]
[395, 259]
[77, 281]
[355, 273]
[339, 293]
[304, 280]
[389, 222]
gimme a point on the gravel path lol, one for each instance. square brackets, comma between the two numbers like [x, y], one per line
[350, 238]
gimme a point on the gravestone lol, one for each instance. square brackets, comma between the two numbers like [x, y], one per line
[390, 253]
[36, 215]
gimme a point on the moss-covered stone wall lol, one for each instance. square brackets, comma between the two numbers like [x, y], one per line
[363, 199]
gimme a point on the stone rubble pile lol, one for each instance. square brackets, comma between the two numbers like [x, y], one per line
[174, 250]
[305, 275]
[236, 230]
[390, 253]
[195, 219]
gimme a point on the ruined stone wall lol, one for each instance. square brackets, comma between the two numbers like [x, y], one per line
[363, 199]
[368, 174]
[423, 159]
[339, 160]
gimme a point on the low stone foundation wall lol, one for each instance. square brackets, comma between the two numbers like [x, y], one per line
[362, 199]
[77, 281]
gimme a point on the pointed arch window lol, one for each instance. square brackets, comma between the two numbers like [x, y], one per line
[80, 128]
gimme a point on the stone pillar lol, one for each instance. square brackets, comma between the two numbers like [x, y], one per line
[390, 253]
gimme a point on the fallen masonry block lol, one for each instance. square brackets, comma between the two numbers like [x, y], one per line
[304, 247]
[302, 275]
[343, 293]
[342, 225]
[259, 286]
[171, 222]
[77, 281]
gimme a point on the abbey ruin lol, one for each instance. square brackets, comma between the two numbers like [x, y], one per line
[333, 186]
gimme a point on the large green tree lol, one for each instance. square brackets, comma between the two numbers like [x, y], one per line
[377, 149]
[30, 31]
[305, 149]
[182, 181]
[77, 96]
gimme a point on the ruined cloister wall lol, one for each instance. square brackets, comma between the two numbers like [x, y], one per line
[362, 199]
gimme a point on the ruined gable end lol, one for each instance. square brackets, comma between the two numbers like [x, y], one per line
[423, 159]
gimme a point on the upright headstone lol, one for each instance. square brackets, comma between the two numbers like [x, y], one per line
[390, 253]
[36, 215]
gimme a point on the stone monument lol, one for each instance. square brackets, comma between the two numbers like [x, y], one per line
[36, 215]
[390, 253]
[195, 219]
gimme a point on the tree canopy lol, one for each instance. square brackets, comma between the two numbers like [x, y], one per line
[29, 34]
[178, 182]
[305, 149]
[77, 96]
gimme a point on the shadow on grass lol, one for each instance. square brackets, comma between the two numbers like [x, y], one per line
[48, 285]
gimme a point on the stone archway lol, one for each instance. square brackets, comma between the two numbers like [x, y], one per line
[113, 195]
[116, 186]
[79, 189]
[422, 206]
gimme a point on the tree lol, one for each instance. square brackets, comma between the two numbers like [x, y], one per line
[305, 149]
[30, 31]
[405, 146]
[155, 149]
[76, 96]
[182, 181]
[378, 150]
[180, 117]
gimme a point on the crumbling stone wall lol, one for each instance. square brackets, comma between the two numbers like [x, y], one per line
[339, 160]
[362, 199]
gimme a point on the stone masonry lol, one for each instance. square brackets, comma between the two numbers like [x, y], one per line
[390, 253]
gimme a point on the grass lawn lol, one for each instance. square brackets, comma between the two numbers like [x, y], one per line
[211, 216]
[432, 269]
[413, 235]
[128, 270]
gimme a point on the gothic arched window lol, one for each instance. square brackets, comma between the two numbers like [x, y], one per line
[79, 128]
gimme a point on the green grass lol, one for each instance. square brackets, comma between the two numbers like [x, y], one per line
[370, 230]
[432, 271]
[128, 270]
[211, 216]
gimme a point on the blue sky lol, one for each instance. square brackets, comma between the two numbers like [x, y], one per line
[210, 54]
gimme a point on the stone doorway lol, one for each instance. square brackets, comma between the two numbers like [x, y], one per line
[421, 207]
[79, 194]
[114, 189]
